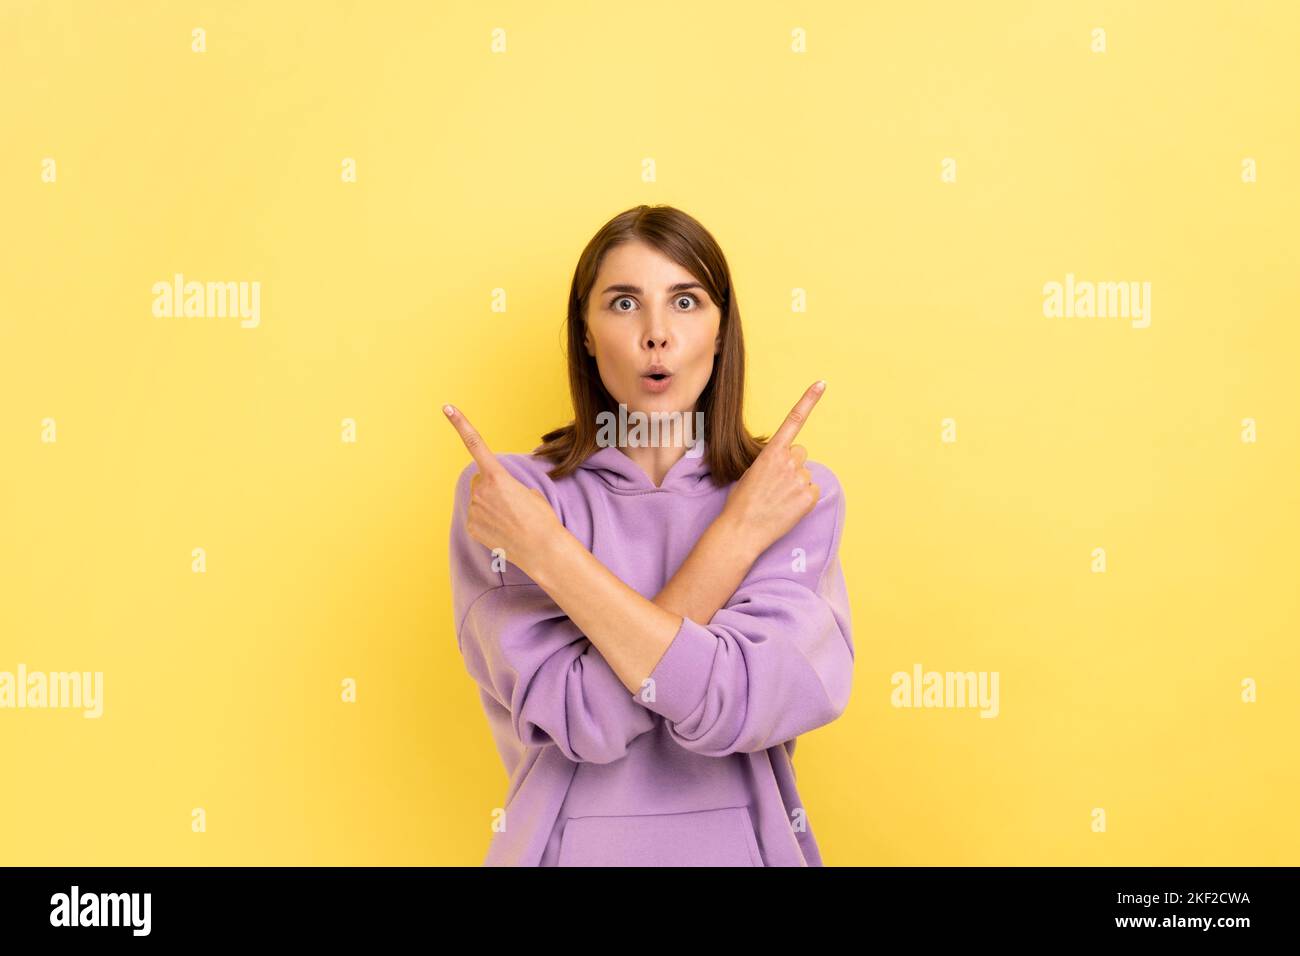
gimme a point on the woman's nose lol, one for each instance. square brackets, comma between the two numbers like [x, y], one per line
[655, 333]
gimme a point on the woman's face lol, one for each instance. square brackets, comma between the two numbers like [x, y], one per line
[645, 310]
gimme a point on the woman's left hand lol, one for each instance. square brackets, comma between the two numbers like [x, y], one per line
[503, 511]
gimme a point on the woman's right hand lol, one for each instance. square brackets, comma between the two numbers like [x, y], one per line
[777, 490]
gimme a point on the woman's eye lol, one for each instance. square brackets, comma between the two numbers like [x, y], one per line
[687, 297]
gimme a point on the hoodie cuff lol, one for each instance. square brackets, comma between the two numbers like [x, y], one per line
[681, 677]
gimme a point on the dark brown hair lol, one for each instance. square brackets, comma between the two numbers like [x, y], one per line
[729, 447]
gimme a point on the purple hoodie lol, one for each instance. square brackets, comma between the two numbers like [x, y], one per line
[701, 774]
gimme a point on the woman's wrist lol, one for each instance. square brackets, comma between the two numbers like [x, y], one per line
[548, 558]
[736, 537]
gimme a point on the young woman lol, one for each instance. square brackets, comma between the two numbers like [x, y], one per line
[652, 626]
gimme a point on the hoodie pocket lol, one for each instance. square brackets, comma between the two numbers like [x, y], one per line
[722, 837]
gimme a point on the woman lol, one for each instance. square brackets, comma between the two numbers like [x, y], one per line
[652, 626]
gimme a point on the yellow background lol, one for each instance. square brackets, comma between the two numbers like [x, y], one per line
[818, 171]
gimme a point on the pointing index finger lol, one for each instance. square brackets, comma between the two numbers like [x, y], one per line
[474, 443]
[798, 415]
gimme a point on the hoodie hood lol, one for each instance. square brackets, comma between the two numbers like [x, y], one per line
[689, 475]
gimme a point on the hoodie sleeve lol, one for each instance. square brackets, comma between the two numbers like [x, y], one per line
[777, 661]
[526, 654]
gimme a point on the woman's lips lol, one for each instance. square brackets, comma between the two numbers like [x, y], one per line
[655, 386]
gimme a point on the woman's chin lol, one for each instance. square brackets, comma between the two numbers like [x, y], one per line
[648, 405]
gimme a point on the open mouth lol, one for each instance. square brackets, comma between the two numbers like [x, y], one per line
[656, 382]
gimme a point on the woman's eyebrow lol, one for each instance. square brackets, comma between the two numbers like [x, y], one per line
[636, 289]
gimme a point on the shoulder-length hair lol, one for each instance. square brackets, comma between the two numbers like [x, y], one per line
[729, 447]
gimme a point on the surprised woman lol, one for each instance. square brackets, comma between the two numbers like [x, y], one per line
[652, 624]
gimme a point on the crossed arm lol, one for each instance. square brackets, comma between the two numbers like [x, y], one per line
[746, 647]
[736, 668]
[631, 632]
